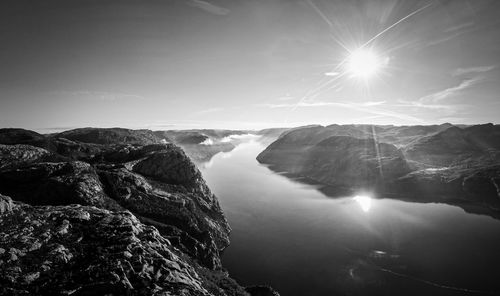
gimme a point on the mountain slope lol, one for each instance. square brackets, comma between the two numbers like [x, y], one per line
[441, 163]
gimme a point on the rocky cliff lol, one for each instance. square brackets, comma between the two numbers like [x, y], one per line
[107, 212]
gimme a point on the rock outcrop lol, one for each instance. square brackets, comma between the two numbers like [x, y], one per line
[107, 212]
[5, 204]
[82, 250]
[19, 155]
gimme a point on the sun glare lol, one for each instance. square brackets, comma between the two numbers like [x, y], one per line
[363, 63]
[364, 201]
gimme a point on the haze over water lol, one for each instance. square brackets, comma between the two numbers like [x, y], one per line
[291, 236]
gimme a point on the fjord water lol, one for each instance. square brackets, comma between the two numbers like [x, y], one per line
[291, 236]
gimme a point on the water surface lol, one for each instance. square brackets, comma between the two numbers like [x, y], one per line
[291, 236]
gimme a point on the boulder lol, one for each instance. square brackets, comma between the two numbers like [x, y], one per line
[62, 183]
[5, 204]
[18, 155]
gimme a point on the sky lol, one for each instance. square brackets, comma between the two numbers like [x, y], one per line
[246, 64]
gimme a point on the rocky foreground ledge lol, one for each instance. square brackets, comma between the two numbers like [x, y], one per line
[108, 212]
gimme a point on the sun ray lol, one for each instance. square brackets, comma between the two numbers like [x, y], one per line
[327, 20]
[377, 150]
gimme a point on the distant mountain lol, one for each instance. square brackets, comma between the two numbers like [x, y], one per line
[397, 135]
[197, 136]
[403, 135]
[424, 163]
[201, 145]
[454, 146]
[109, 136]
[19, 136]
[338, 160]
[268, 135]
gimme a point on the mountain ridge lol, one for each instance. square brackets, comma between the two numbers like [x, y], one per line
[438, 163]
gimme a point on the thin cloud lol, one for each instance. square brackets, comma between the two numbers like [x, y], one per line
[285, 98]
[332, 74]
[209, 7]
[459, 27]
[444, 39]
[462, 71]
[418, 104]
[300, 104]
[209, 110]
[373, 103]
[457, 31]
[99, 95]
[453, 33]
[455, 119]
[321, 104]
[452, 91]
[364, 107]
[442, 109]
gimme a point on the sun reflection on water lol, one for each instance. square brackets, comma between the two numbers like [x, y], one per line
[364, 201]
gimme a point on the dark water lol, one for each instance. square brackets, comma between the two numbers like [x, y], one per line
[292, 237]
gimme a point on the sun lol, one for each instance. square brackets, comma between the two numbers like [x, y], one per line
[363, 63]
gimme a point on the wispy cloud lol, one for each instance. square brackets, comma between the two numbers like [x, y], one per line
[419, 104]
[373, 103]
[482, 69]
[451, 33]
[455, 119]
[99, 95]
[209, 110]
[334, 73]
[285, 98]
[209, 7]
[451, 91]
[368, 107]
[458, 27]
[443, 39]
[320, 104]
